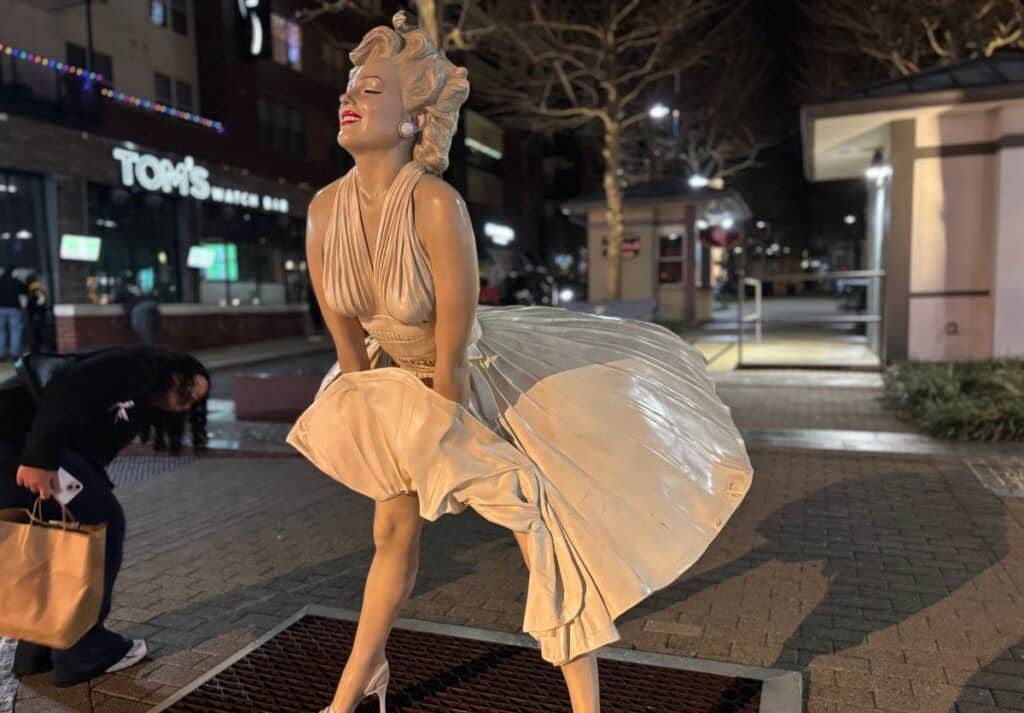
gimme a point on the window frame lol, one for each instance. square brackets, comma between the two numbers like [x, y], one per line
[281, 127]
[163, 4]
[281, 29]
[179, 10]
[178, 84]
[663, 232]
[97, 58]
[169, 99]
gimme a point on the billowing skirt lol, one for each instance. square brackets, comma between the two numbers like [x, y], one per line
[601, 438]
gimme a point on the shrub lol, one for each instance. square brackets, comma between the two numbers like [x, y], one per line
[977, 401]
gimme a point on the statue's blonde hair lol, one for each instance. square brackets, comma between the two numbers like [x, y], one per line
[430, 83]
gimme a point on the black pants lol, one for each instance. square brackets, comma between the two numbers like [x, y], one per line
[99, 648]
[145, 321]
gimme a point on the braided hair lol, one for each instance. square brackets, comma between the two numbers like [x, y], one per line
[165, 429]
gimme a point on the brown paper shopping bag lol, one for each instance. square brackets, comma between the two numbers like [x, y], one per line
[51, 577]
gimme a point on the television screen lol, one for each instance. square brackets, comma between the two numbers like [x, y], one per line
[201, 256]
[146, 278]
[79, 247]
[225, 262]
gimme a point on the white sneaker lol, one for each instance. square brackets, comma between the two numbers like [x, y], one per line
[135, 654]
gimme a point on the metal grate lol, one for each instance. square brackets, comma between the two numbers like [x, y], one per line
[127, 469]
[298, 669]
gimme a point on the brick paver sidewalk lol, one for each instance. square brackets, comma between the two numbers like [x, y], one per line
[824, 399]
[894, 583]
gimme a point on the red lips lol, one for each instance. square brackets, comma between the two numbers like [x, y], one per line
[349, 117]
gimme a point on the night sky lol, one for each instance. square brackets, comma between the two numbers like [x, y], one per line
[778, 190]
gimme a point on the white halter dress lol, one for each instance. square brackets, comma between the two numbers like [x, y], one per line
[602, 438]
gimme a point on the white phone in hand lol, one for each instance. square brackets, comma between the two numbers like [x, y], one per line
[70, 487]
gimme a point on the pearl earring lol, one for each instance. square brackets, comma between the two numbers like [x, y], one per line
[406, 129]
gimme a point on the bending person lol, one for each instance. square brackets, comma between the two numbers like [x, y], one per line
[90, 409]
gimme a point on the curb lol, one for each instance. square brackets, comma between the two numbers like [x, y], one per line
[230, 363]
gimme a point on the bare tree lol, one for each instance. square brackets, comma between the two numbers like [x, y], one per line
[902, 37]
[716, 127]
[452, 24]
[563, 65]
[312, 15]
[550, 65]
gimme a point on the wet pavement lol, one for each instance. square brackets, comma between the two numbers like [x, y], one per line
[224, 378]
[892, 583]
[887, 567]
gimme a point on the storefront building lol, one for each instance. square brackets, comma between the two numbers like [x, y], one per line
[223, 250]
[182, 160]
[157, 151]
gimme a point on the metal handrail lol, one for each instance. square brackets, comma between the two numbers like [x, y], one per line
[818, 276]
[838, 319]
[757, 316]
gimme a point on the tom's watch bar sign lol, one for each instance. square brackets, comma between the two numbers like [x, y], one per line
[252, 28]
[187, 178]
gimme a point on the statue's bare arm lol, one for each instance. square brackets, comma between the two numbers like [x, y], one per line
[444, 227]
[346, 331]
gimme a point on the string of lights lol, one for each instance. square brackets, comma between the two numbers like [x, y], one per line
[108, 93]
[160, 108]
[55, 64]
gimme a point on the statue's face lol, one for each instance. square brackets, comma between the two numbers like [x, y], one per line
[371, 108]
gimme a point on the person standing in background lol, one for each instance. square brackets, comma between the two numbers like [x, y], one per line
[142, 311]
[11, 290]
[38, 313]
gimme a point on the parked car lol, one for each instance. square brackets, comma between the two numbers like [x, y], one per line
[531, 286]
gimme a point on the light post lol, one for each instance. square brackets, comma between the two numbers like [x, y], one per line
[764, 239]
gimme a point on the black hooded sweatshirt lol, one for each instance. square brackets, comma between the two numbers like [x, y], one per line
[94, 406]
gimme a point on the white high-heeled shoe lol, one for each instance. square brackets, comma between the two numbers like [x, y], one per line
[378, 686]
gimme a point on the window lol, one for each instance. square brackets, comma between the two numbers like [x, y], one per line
[101, 63]
[260, 258]
[334, 65]
[485, 140]
[184, 95]
[76, 55]
[158, 12]
[670, 258]
[139, 233]
[22, 221]
[179, 17]
[163, 88]
[287, 41]
[281, 127]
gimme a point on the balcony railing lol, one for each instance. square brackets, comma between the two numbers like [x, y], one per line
[48, 94]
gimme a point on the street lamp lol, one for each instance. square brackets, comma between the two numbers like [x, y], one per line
[878, 171]
[761, 225]
[698, 181]
[850, 219]
[658, 111]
